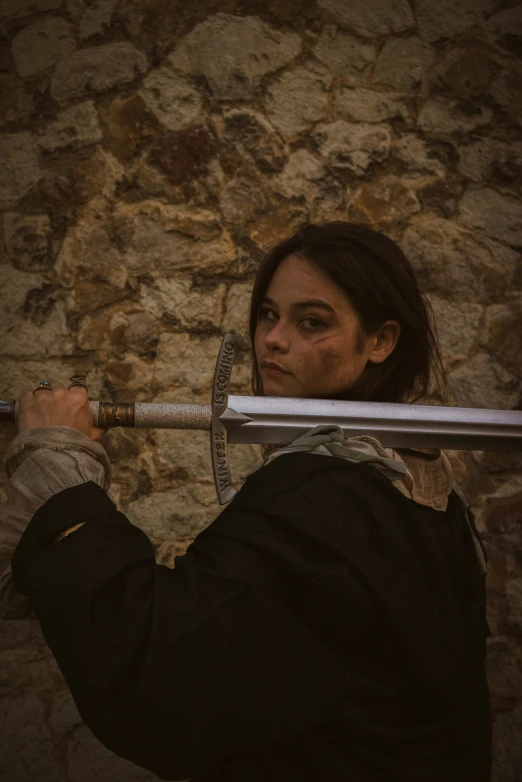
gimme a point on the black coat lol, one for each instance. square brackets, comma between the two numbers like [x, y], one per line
[323, 627]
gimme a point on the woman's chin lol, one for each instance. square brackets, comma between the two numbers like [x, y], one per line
[276, 387]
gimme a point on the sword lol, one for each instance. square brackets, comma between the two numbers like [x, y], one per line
[266, 419]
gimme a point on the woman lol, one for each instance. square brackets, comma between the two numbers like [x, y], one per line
[330, 623]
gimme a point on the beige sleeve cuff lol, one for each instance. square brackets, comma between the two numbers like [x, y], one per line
[39, 463]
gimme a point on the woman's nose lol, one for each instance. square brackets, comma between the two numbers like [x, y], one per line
[277, 336]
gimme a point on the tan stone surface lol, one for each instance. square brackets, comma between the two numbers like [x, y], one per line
[458, 329]
[172, 238]
[298, 99]
[499, 215]
[482, 160]
[304, 175]
[416, 155]
[369, 105]
[20, 169]
[403, 64]
[387, 200]
[507, 22]
[352, 146]
[41, 45]
[182, 301]
[33, 320]
[371, 18]
[27, 241]
[17, 9]
[98, 69]
[74, 127]
[183, 360]
[344, 54]
[96, 18]
[249, 133]
[444, 117]
[445, 19]
[89, 249]
[483, 382]
[241, 199]
[252, 48]
[237, 311]
[458, 264]
[171, 98]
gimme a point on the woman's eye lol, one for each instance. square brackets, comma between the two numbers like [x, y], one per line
[264, 312]
[315, 324]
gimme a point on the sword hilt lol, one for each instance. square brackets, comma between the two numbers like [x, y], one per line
[107, 415]
[218, 433]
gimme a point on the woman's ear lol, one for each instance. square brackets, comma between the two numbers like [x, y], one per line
[384, 341]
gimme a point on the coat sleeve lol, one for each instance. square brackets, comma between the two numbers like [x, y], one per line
[171, 669]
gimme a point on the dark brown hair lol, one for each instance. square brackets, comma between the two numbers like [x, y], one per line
[377, 278]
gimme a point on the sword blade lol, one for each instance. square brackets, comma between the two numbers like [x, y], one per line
[282, 419]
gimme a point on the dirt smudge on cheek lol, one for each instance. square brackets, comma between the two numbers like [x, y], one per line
[329, 358]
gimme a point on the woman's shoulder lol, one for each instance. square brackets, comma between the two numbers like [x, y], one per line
[297, 474]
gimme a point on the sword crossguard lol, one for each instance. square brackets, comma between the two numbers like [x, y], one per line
[218, 432]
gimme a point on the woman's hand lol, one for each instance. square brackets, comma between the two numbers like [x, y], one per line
[57, 408]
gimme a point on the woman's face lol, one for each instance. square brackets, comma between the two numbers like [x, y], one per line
[308, 327]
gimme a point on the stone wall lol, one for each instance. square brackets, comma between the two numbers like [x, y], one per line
[149, 152]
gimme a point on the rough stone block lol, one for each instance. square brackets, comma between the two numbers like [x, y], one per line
[273, 227]
[240, 199]
[253, 49]
[183, 360]
[415, 154]
[454, 264]
[372, 18]
[17, 9]
[28, 306]
[403, 64]
[17, 99]
[348, 56]
[237, 311]
[249, 133]
[482, 382]
[88, 248]
[298, 99]
[20, 169]
[352, 146]
[180, 300]
[447, 19]
[507, 757]
[457, 328]
[502, 333]
[184, 156]
[386, 200]
[369, 105]
[172, 238]
[437, 116]
[171, 98]
[26, 743]
[27, 241]
[75, 127]
[506, 23]
[304, 175]
[96, 69]
[41, 45]
[485, 160]
[500, 216]
[96, 18]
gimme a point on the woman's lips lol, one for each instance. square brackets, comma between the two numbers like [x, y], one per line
[272, 367]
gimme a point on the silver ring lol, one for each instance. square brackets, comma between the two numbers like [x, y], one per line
[76, 381]
[44, 385]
